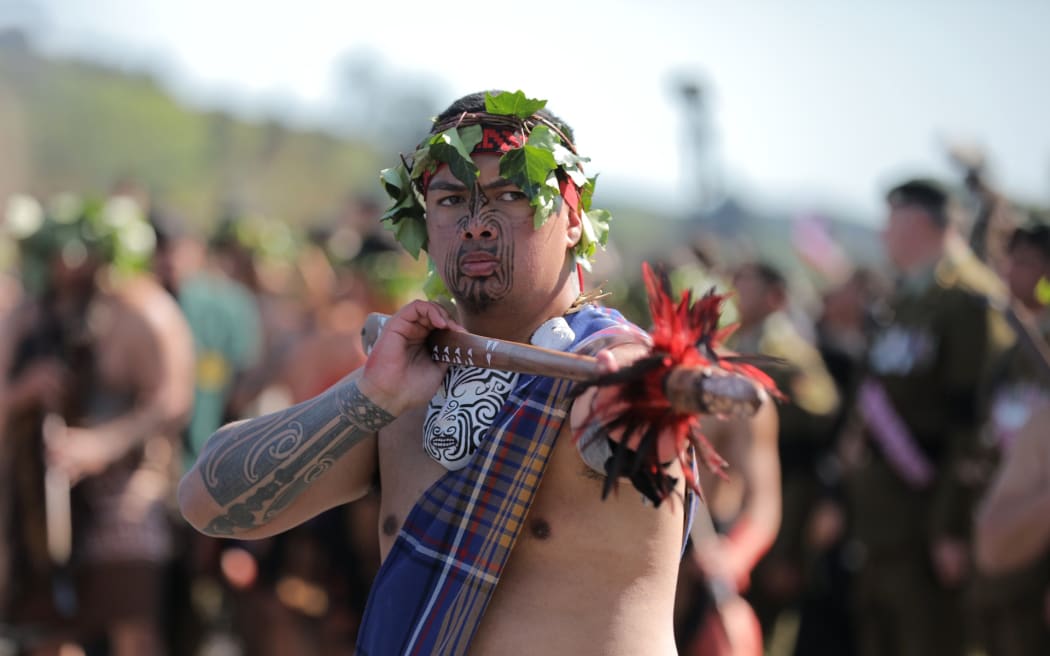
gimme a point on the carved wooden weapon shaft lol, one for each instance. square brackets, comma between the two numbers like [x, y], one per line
[693, 390]
[59, 521]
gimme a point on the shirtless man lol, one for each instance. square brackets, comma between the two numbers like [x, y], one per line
[747, 504]
[110, 353]
[581, 575]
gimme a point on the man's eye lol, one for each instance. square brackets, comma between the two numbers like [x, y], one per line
[449, 201]
[511, 196]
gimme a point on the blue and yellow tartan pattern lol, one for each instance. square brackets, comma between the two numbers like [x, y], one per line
[432, 590]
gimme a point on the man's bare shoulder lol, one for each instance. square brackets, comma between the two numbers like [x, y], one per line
[140, 331]
[143, 296]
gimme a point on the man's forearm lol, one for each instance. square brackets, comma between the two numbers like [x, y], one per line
[255, 469]
[129, 430]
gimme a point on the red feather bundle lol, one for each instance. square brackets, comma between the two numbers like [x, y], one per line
[636, 406]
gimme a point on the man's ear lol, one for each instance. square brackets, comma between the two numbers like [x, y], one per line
[574, 230]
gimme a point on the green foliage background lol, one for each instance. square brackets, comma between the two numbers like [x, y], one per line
[71, 125]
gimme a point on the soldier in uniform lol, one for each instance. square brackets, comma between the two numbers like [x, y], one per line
[918, 403]
[1009, 599]
[805, 423]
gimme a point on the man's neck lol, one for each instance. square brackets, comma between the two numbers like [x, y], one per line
[756, 322]
[923, 263]
[514, 323]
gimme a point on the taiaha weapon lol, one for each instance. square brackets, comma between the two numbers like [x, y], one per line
[703, 390]
[658, 397]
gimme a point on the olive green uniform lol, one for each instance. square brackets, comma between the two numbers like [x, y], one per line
[928, 359]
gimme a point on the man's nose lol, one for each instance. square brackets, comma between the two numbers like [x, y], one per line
[476, 227]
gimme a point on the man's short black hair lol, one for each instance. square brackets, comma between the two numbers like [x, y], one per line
[1035, 232]
[929, 195]
[475, 102]
[769, 274]
[167, 226]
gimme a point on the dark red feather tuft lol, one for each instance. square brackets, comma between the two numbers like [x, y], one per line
[685, 333]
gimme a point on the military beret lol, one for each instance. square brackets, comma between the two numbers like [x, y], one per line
[928, 194]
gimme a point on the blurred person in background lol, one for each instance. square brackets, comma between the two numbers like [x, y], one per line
[744, 505]
[261, 254]
[226, 328]
[806, 418]
[843, 331]
[1013, 536]
[98, 383]
[744, 508]
[224, 318]
[1012, 584]
[994, 217]
[918, 403]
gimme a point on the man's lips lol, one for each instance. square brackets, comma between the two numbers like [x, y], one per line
[478, 264]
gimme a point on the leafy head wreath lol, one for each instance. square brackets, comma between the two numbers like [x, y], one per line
[537, 156]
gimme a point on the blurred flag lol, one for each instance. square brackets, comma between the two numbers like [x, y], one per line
[815, 246]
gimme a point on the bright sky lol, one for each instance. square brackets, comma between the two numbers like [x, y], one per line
[813, 101]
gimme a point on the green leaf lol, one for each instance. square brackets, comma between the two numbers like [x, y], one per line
[395, 181]
[422, 162]
[599, 221]
[454, 147]
[587, 193]
[412, 234]
[542, 137]
[546, 202]
[513, 104]
[528, 167]
[595, 225]
[470, 137]
[434, 287]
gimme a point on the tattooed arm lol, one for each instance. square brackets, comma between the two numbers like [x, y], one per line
[265, 475]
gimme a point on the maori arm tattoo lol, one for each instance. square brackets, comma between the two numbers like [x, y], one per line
[255, 469]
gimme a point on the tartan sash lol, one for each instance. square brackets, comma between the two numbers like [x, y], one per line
[432, 589]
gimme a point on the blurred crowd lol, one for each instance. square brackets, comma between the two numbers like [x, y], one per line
[913, 460]
[898, 507]
[124, 318]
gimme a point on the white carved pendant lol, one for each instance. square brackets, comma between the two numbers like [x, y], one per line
[461, 412]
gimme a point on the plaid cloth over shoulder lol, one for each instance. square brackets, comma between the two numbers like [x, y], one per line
[432, 590]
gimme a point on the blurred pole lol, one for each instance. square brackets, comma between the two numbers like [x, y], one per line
[702, 173]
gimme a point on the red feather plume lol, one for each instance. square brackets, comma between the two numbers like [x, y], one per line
[683, 334]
